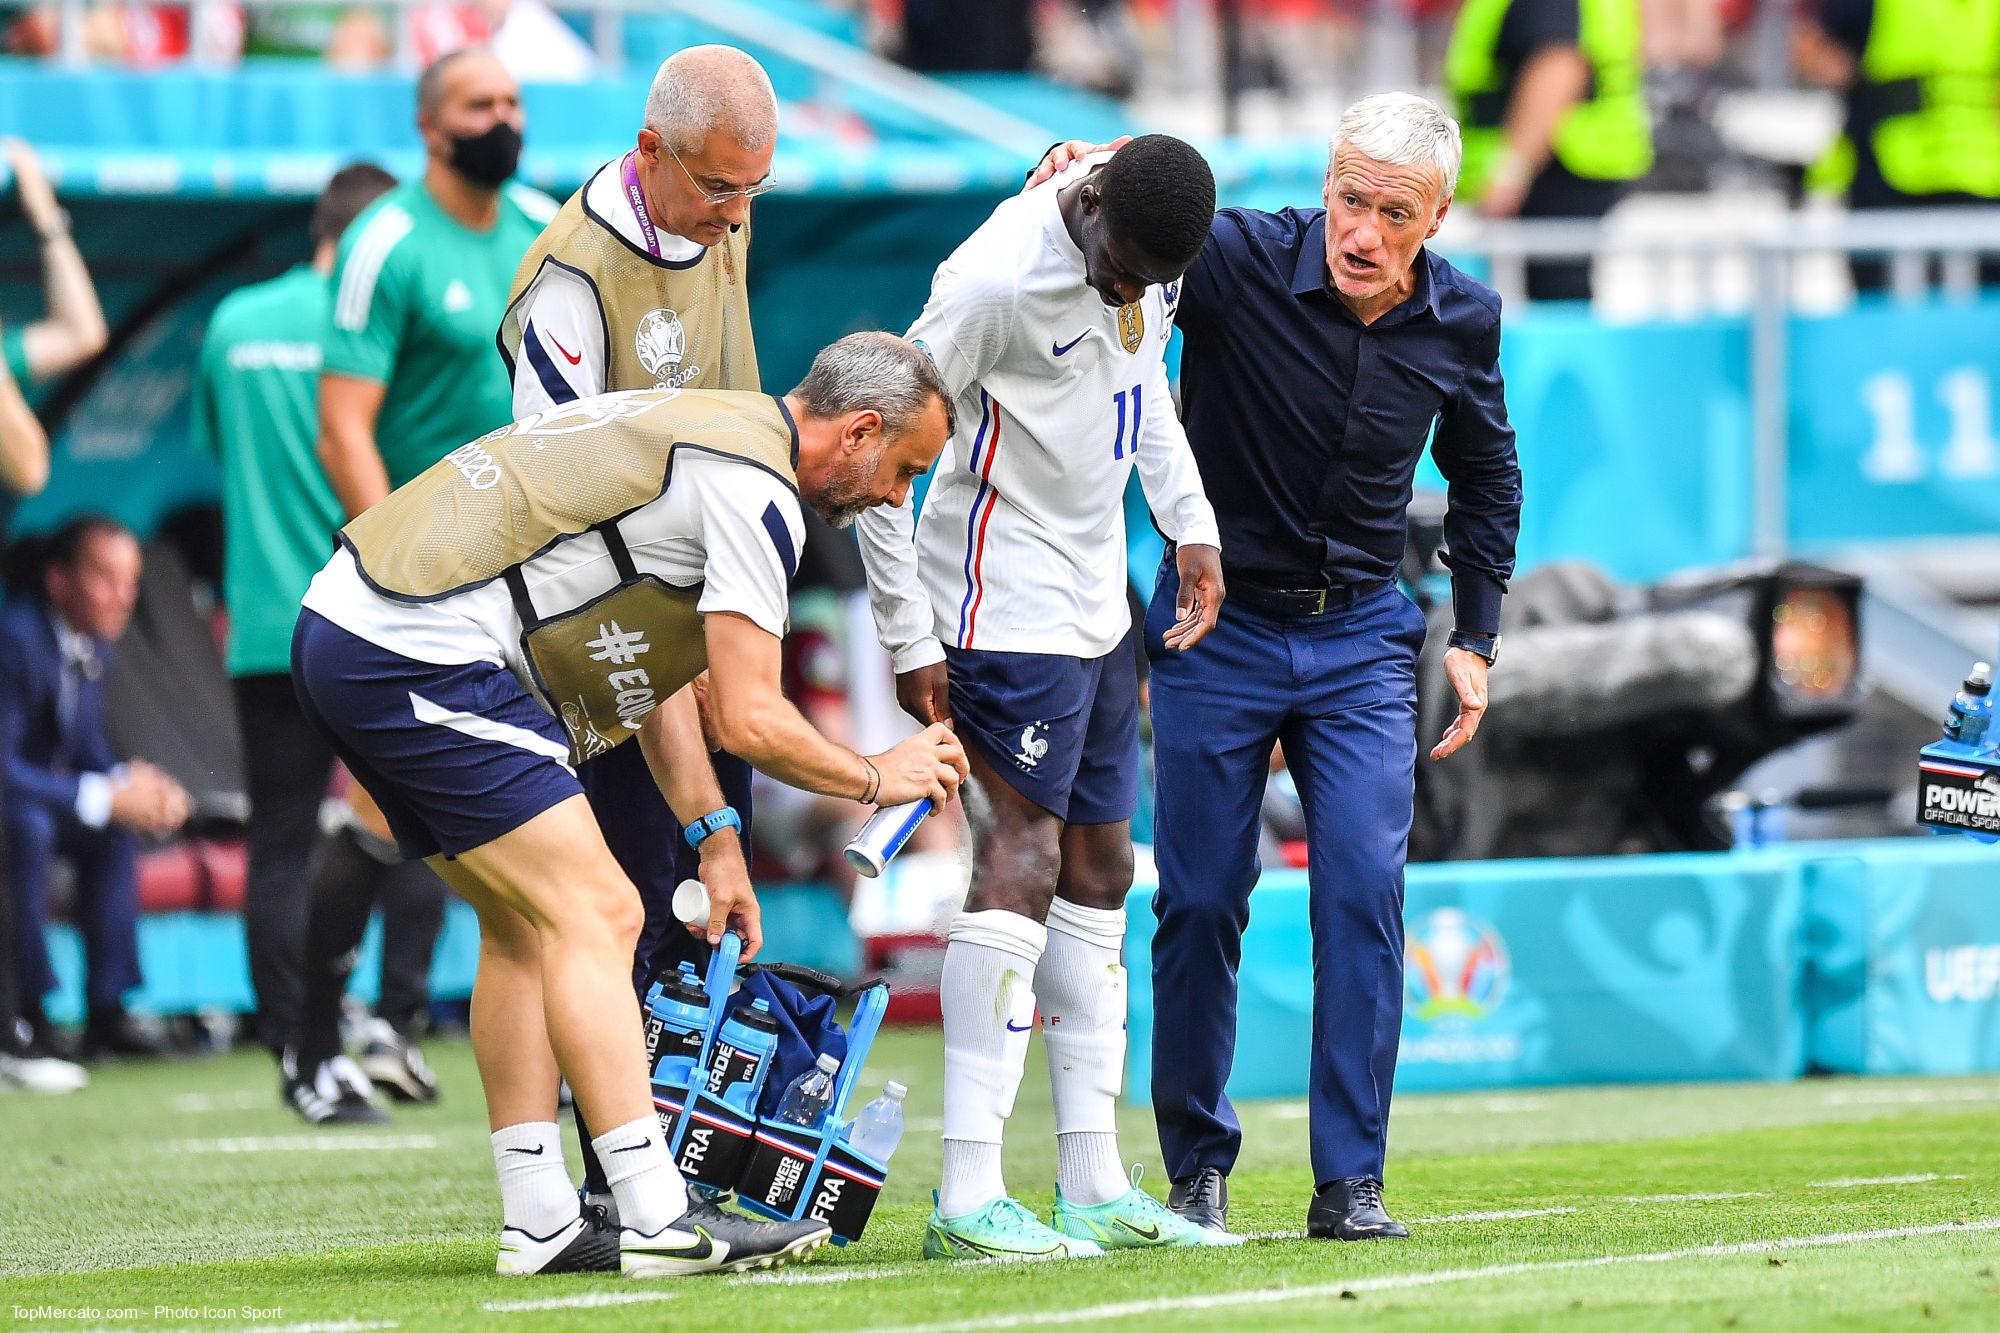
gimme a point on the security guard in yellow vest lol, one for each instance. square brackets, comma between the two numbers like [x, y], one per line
[1550, 98]
[1922, 83]
[640, 282]
[529, 601]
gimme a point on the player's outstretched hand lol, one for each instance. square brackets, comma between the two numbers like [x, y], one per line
[925, 693]
[1467, 673]
[1200, 600]
[929, 764]
[1070, 151]
[732, 903]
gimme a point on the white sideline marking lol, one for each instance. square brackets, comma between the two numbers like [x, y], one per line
[1400, 1281]
[304, 1143]
[221, 1101]
[587, 1302]
[1694, 1198]
[1909, 1096]
[1848, 1182]
[803, 1278]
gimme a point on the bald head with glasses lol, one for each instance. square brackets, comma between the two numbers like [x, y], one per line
[705, 149]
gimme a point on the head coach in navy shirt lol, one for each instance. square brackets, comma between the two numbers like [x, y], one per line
[1324, 348]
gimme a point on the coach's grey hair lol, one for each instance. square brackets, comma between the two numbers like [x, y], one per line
[705, 88]
[1404, 130]
[879, 371]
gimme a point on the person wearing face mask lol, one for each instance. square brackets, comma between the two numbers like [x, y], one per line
[641, 283]
[408, 374]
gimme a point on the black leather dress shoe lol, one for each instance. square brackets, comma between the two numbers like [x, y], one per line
[1202, 1198]
[1352, 1210]
[115, 1032]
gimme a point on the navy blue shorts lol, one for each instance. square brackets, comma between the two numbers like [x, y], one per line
[454, 755]
[1063, 731]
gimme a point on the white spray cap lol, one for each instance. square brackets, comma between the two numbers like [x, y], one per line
[828, 1061]
[894, 1091]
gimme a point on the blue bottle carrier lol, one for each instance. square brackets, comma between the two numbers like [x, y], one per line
[788, 1172]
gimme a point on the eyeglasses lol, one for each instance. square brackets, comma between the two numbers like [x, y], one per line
[764, 186]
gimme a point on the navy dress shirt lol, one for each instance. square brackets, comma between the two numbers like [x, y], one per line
[1307, 424]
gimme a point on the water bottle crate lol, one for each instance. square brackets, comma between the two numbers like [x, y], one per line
[796, 1173]
[777, 1170]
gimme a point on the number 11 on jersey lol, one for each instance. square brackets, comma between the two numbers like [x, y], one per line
[1122, 445]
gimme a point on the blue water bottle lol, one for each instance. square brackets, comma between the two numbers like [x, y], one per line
[1971, 711]
[676, 1021]
[742, 1056]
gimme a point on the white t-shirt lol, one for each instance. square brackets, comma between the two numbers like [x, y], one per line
[1021, 545]
[710, 527]
[562, 310]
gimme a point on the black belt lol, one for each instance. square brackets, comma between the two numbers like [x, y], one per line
[1299, 603]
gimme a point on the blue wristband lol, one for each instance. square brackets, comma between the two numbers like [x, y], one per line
[709, 824]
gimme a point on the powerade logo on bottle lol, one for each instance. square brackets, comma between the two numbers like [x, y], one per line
[742, 1054]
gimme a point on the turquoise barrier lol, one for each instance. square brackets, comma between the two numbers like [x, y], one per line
[1864, 957]
[1903, 954]
[1628, 969]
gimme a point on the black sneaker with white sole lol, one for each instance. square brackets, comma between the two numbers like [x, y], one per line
[709, 1239]
[587, 1245]
[394, 1064]
[333, 1093]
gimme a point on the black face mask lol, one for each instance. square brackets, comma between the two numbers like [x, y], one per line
[488, 158]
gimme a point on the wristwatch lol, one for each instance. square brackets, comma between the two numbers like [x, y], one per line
[1486, 645]
[710, 824]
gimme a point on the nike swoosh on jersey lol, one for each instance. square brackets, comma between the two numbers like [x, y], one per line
[1025, 1027]
[574, 358]
[1063, 349]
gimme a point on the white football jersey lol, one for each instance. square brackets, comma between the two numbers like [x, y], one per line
[564, 309]
[1021, 544]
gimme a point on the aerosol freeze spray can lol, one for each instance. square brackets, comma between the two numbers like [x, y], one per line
[884, 835]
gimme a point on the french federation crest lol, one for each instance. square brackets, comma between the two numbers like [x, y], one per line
[660, 344]
[1132, 325]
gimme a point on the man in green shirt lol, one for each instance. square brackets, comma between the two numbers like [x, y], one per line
[256, 407]
[409, 373]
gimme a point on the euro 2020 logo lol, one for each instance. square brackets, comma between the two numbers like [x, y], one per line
[1456, 966]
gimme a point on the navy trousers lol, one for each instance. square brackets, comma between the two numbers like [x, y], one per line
[107, 902]
[1339, 691]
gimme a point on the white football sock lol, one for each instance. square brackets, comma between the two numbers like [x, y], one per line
[536, 1195]
[988, 995]
[1081, 986]
[643, 1178]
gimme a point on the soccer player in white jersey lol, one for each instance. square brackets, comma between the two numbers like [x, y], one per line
[1006, 613]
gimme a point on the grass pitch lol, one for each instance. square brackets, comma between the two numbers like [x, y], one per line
[182, 1196]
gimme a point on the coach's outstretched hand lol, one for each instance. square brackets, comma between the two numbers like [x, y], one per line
[929, 764]
[1467, 673]
[1069, 151]
[1200, 600]
[925, 693]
